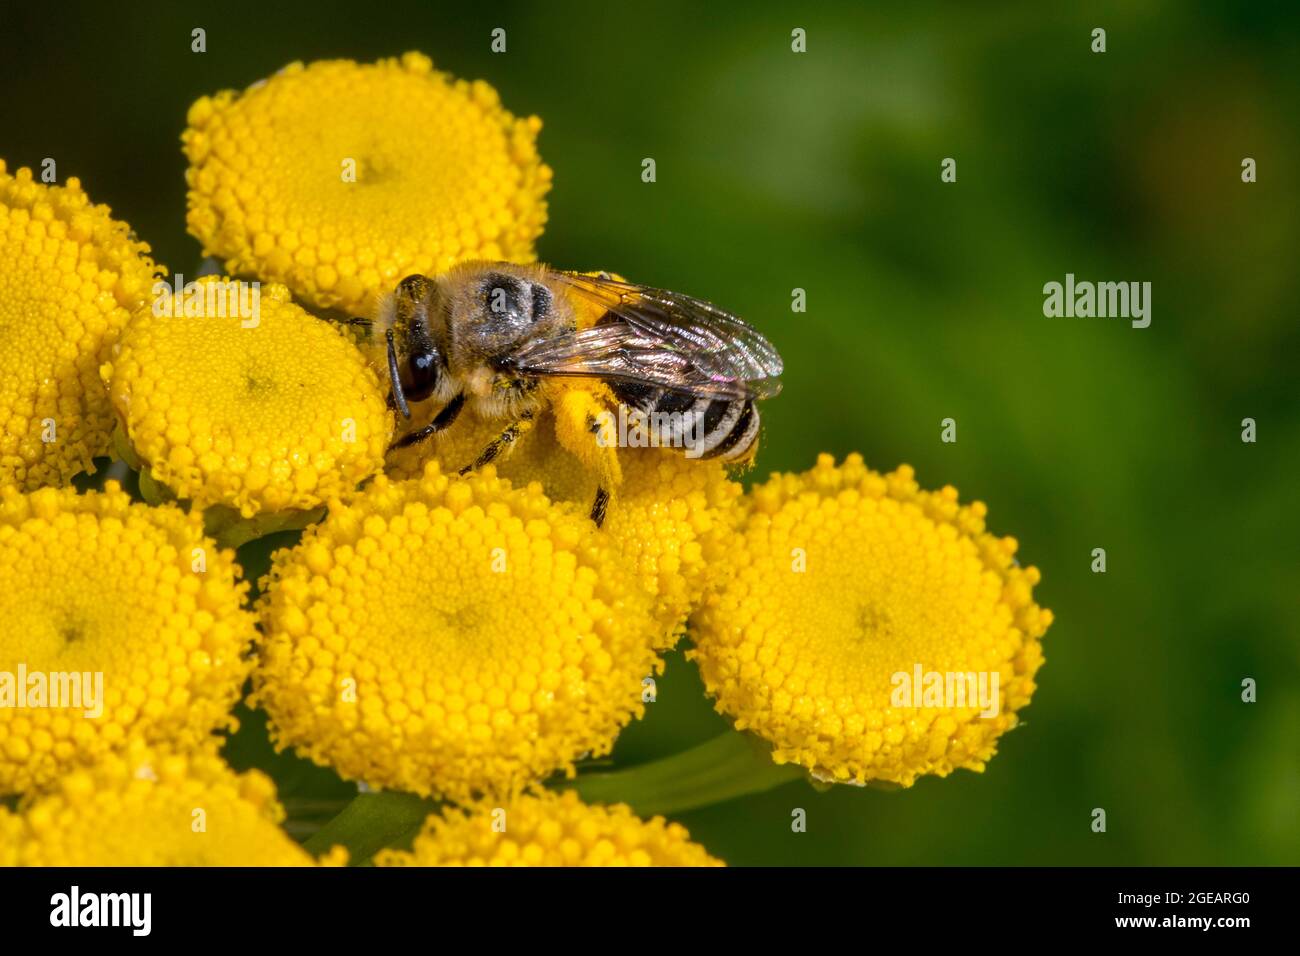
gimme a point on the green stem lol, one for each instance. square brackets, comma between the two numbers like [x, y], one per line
[230, 530]
[372, 822]
[730, 765]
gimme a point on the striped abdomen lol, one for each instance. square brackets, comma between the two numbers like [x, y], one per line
[702, 427]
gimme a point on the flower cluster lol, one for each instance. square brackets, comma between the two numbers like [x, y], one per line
[452, 636]
[549, 829]
[472, 637]
[72, 277]
[270, 413]
[373, 199]
[673, 520]
[154, 807]
[845, 584]
[130, 607]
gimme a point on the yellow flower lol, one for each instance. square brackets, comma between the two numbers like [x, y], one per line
[549, 829]
[452, 636]
[671, 517]
[153, 808]
[70, 279]
[132, 600]
[266, 413]
[339, 178]
[846, 585]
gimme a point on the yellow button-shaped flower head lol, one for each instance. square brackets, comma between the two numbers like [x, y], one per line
[549, 829]
[870, 630]
[153, 807]
[270, 411]
[339, 178]
[71, 276]
[117, 622]
[671, 516]
[452, 636]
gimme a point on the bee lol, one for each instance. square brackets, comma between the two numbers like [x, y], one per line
[508, 340]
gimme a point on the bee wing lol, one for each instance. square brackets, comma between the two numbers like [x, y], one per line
[660, 338]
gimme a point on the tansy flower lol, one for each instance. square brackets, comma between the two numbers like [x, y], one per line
[153, 808]
[549, 829]
[266, 412]
[136, 610]
[71, 277]
[452, 636]
[671, 516]
[339, 178]
[846, 587]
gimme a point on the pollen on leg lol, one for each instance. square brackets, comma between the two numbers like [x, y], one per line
[578, 423]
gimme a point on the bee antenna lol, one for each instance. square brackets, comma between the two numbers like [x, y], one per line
[395, 377]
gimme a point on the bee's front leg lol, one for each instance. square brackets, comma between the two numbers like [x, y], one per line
[509, 435]
[442, 420]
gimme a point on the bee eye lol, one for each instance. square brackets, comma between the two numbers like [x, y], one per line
[423, 368]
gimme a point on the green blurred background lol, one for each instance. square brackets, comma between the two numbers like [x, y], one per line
[820, 171]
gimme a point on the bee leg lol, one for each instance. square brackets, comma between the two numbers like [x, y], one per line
[502, 442]
[443, 419]
[583, 428]
[599, 505]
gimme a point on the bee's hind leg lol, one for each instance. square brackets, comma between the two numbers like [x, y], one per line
[583, 427]
[509, 435]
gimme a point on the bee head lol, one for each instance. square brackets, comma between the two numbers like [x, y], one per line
[414, 362]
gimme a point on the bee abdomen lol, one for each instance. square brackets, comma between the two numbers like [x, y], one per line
[725, 429]
[734, 433]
